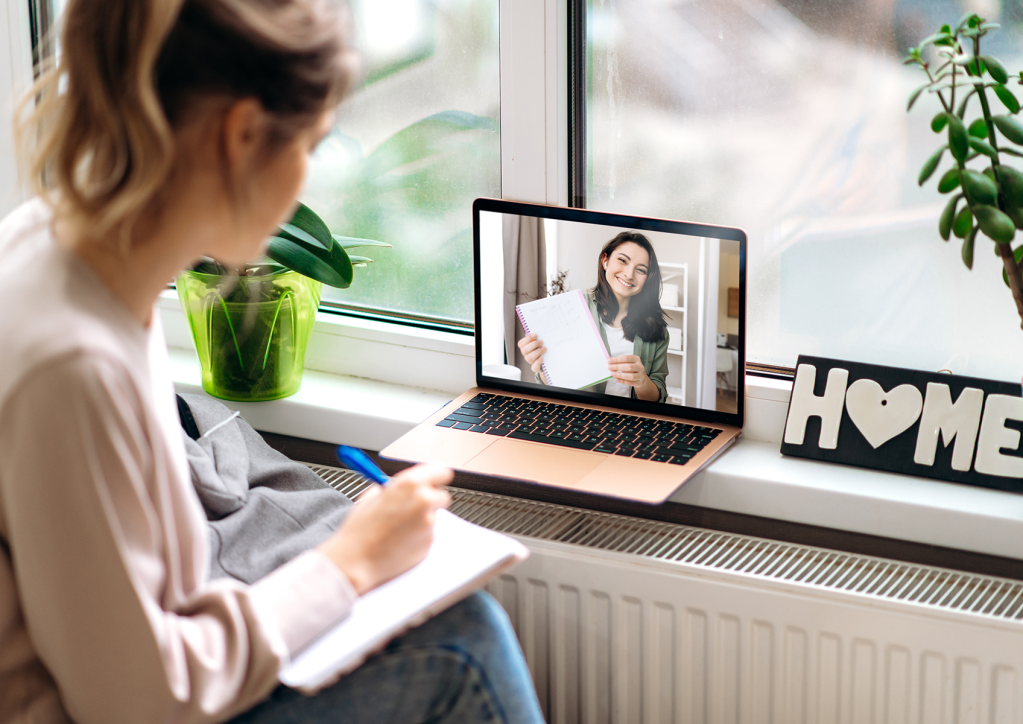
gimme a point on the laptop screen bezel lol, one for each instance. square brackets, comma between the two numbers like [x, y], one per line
[639, 223]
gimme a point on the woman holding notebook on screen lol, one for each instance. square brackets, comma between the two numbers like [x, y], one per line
[626, 309]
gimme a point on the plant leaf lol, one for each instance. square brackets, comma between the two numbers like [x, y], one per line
[947, 215]
[349, 242]
[967, 251]
[930, 165]
[958, 140]
[332, 267]
[984, 147]
[208, 266]
[978, 187]
[362, 260]
[995, 69]
[943, 35]
[978, 129]
[290, 231]
[1012, 185]
[420, 140]
[1018, 255]
[963, 222]
[1006, 97]
[948, 181]
[309, 221]
[939, 121]
[1010, 127]
[994, 223]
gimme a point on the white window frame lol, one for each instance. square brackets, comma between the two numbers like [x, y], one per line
[15, 79]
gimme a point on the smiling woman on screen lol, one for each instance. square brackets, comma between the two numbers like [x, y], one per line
[625, 304]
[173, 129]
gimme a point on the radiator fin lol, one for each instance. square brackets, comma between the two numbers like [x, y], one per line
[806, 565]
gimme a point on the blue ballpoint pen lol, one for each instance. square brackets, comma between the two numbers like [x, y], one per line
[355, 459]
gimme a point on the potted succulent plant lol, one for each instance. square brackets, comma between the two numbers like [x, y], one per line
[251, 326]
[987, 200]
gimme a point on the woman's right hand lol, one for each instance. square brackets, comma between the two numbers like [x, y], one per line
[390, 529]
[532, 349]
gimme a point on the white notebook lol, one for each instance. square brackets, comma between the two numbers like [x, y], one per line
[463, 557]
[575, 356]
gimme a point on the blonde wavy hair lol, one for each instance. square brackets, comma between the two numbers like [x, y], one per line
[96, 131]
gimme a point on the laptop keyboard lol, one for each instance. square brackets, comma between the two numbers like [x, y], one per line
[580, 428]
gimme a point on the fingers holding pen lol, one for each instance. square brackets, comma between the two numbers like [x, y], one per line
[390, 528]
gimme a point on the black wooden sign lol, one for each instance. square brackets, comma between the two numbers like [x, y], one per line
[959, 429]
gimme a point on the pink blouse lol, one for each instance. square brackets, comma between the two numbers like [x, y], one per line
[107, 613]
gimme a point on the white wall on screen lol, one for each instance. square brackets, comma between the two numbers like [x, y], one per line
[550, 233]
[705, 350]
[729, 275]
[491, 279]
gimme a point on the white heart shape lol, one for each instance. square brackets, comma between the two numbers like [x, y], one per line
[880, 416]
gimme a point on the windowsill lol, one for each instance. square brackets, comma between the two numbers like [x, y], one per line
[753, 478]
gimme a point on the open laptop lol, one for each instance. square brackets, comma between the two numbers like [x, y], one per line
[600, 439]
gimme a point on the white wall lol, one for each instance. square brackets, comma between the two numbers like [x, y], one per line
[491, 281]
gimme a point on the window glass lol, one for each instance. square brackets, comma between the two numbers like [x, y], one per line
[413, 146]
[788, 118]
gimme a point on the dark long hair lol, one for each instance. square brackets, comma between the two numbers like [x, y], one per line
[645, 318]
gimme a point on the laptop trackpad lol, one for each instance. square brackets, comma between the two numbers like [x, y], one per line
[549, 464]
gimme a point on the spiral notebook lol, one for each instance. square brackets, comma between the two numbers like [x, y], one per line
[462, 558]
[576, 357]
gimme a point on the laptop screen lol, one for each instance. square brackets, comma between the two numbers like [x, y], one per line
[623, 311]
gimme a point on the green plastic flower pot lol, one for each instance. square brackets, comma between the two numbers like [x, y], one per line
[251, 333]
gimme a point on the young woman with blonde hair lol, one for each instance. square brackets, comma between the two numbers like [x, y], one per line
[173, 129]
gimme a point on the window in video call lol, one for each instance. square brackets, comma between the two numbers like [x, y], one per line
[567, 304]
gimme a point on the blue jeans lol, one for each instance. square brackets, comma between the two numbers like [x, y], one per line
[464, 665]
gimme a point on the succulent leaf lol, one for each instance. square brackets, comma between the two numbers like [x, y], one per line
[963, 222]
[930, 165]
[995, 69]
[1006, 97]
[967, 250]
[958, 140]
[1010, 127]
[995, 224]
[948, 181]
[978, 129]
[947, 215]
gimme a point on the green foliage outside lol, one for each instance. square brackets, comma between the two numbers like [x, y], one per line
[987, 196]
[414, 191]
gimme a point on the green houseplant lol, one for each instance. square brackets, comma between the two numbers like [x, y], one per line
[987, 200]
[251, 326]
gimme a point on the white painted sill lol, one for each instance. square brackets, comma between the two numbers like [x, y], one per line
[361, 389]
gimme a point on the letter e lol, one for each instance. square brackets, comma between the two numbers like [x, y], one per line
[994, 436]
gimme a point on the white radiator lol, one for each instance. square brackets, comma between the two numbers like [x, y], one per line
[631, 621]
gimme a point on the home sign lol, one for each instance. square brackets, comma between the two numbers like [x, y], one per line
[959, 429]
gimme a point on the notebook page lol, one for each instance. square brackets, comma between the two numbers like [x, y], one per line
[462, 557]
[575, 356]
